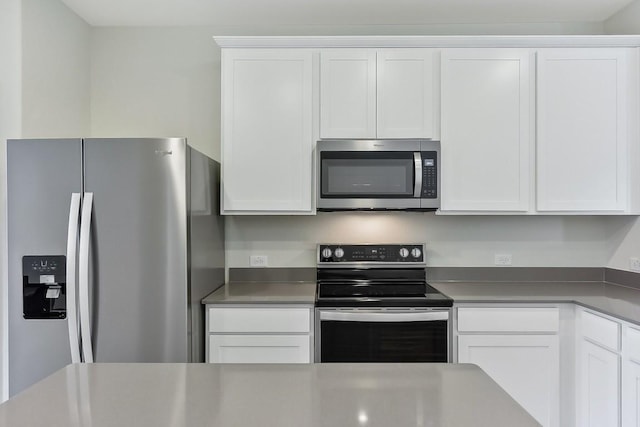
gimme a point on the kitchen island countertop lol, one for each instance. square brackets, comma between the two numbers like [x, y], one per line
[310, 395]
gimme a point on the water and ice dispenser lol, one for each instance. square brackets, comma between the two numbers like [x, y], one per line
[44, 287]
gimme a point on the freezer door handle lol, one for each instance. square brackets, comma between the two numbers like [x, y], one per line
[83, 280]
[72, 307]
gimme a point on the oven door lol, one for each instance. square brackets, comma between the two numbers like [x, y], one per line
[382, 335]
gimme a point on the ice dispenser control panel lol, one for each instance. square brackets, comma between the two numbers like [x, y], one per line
[44, 286]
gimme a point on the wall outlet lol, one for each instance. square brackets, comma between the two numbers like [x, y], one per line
[634, 264]
[502, 259]
[258, 261]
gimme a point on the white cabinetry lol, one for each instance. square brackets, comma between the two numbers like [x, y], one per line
[267, 131]
[598, 371]
[519, 348]
[259, 334]
[378, 93]
[631, 377]
[486, 129]
[585, 98]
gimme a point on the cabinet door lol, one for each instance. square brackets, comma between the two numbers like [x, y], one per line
[348, 93]
[582, 129]
[598, 388]
[486, 142]
[631, 379]
[631, 394]
[267, 136]
[526, 366]
[259, 349]
[406, 103]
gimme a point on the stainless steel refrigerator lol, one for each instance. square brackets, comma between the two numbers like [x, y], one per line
[112, 245]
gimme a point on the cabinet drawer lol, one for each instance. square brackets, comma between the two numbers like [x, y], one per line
[260, 320]
[259, 349]
[512, 319]
[632, 343]
[600, 330]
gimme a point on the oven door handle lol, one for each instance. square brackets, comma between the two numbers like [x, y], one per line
[369, 316]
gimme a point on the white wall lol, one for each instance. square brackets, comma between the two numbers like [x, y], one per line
[56, 46]
[157, 82]
[626, 21]
[10, 119]
[468, 241]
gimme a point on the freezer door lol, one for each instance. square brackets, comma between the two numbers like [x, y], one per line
[41, 176]
[138, 256]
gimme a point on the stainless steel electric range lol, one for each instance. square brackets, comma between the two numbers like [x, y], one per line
[373, 304]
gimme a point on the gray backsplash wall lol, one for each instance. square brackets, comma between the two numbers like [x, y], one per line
[452, 241]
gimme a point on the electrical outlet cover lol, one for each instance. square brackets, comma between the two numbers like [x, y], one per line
[503, 259]
[258, 261]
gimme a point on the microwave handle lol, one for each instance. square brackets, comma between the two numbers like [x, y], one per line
[417, 164]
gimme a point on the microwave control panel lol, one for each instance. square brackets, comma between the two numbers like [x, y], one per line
[429, 175]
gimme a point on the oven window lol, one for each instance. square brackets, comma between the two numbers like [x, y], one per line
[350, 341]
[367, 174]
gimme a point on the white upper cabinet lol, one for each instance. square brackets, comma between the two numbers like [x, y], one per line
[267, 131]
[348, 93]
[584, 97]
[378, 93]
[486, 129]
[406, 93]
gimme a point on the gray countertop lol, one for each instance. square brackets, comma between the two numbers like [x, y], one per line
[616, 300]
[263, 292]
[619, 301]
[372, 395]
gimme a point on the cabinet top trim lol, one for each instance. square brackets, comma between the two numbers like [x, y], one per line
[424, 41]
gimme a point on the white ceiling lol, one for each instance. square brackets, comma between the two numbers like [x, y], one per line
[341, 12]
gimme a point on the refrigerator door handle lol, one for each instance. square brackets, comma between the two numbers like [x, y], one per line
[72, 307]
[83, 280]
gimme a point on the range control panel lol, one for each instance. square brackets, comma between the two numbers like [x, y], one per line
[410, 253]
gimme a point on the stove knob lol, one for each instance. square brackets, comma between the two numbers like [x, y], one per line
[339, 253]
[415, 252]
[404, 252]
[326, 253]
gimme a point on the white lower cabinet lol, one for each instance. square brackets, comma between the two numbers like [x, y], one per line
[259, 334]
[608, 371]
[598, 386]
[259, 349]
[631, 378]
[526, 366]
[524, 363]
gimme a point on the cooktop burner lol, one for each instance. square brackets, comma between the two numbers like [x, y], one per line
[391, 275]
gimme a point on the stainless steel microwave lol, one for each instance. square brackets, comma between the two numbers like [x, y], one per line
[378, 174]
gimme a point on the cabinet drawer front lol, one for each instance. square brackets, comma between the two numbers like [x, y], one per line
[259, 320]
[600, 330]
[497, 319]
[259, 349]
[632, 343]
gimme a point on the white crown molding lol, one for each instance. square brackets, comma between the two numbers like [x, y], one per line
[424, 41]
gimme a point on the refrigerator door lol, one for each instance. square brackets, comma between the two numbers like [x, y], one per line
[41, 176]
[138, 249]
